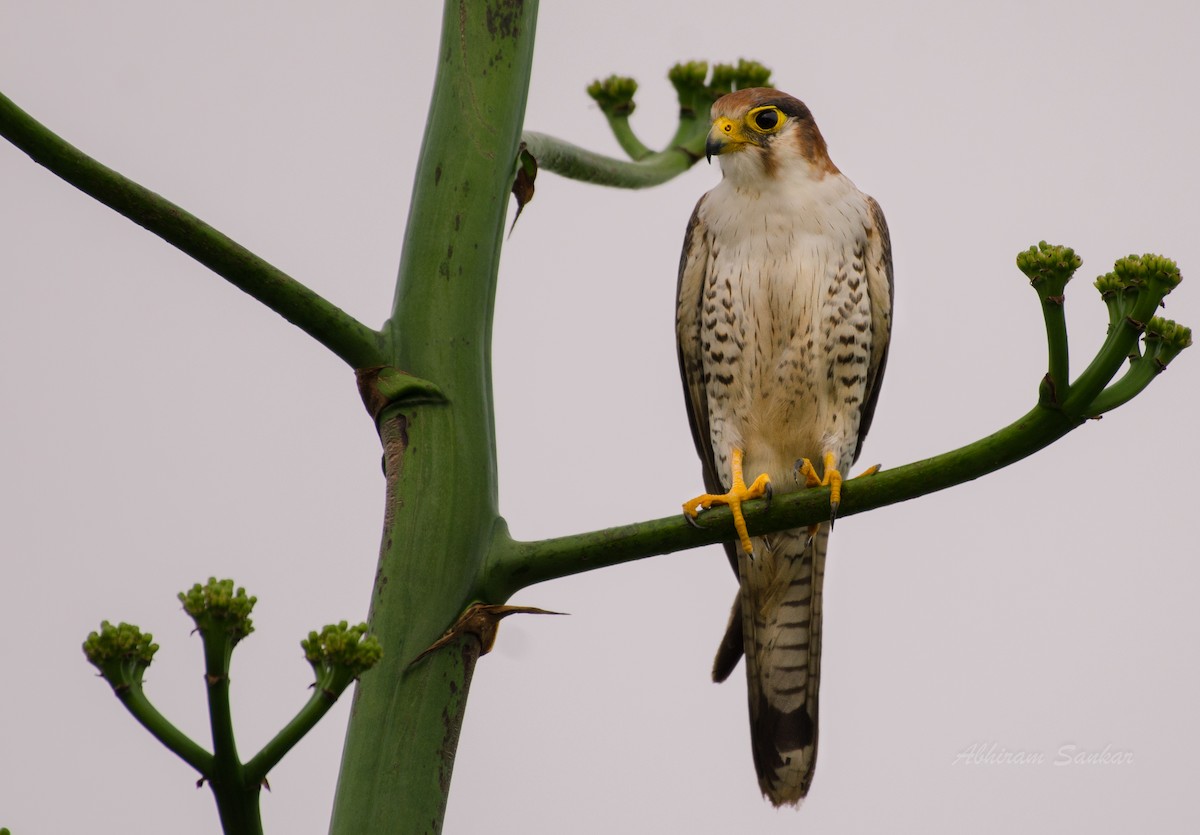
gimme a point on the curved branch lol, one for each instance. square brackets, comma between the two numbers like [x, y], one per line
[160, 728]
[1058, 365]
[626, 138]
[1121, 340]
[341, 333]
[304, 721]
[516, 565]
[580, 164]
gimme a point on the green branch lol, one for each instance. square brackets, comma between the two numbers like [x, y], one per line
[122, 653]
[339, 654]
[314, 709]
[175, 740]
[341, 333]
[222, 617]
[1163, 342]
[1049, 268]
[615, 97]
[516, 565]
[1144, 279]
[696, 92]
[577, 163]
[1140, 283]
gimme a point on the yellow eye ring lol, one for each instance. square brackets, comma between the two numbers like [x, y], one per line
[766, 119]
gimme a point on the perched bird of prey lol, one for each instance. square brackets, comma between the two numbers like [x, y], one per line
[783, 320]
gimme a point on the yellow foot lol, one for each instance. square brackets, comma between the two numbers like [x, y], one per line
[737, 494]
[832, 479]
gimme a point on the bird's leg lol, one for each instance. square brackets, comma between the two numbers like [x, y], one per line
[737, 494]
[832, 479]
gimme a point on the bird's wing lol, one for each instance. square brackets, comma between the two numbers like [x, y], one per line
[689, 308]
[689, 299]
[881, 291]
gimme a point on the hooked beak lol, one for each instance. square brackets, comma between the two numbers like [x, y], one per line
[713, 147]
[724, 136]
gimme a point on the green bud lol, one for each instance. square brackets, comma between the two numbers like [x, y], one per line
[1118, 296]
[1110, 285]
[1048, 267]
[216, 607]
[340, 653]
[722, 80]
[1165, 339]
[614, 94]
[750, 74]
[744, 74]
[1161, 275]
[121, 653]
[688, 77]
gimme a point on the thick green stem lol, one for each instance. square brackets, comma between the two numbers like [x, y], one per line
[441, 503]
[341, 333]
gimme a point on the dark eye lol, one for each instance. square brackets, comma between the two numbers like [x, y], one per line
[766, 119]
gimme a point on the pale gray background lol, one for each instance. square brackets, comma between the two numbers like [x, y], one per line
[159, 427]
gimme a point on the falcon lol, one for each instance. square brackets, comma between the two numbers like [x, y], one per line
[783, 319]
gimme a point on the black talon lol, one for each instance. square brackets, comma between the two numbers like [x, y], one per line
[768, 494]
[691, 520]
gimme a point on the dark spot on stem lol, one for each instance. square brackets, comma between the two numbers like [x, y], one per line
[503, 18]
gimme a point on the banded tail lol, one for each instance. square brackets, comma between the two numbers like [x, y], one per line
[776, 622]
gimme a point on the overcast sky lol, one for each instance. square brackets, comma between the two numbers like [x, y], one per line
[159, 427]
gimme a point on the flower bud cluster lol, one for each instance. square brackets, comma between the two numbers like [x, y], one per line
[218, 607]
[121, 653]
[340, 653]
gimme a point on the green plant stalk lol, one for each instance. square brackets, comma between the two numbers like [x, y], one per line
[237, 802]
[176, 741]
[516, 565]
[1140, 374]
[1120, 341]
[346, 337]
[1059, 364]
[626, 138]
[440, 460]
[255, 771]
[691, 134]
[580, 164]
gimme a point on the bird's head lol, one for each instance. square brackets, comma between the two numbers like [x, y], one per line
[764, 132]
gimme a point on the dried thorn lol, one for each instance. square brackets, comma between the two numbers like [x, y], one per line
[481, 620]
